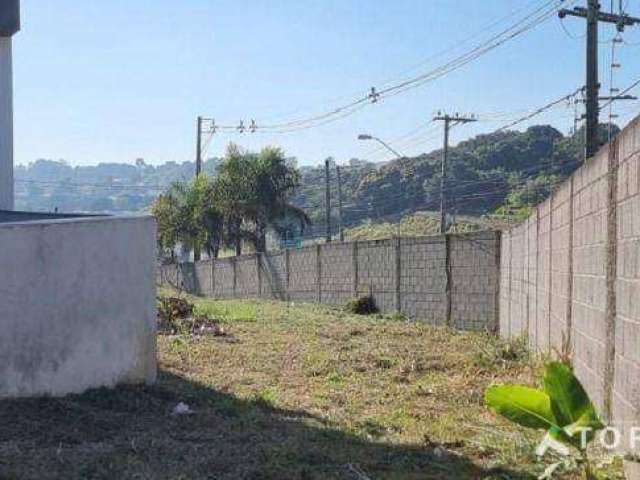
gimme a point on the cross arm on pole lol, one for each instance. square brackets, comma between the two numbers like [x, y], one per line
[620, 20]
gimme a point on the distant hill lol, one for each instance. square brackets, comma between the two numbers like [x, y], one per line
[485, 173]
[489, 171]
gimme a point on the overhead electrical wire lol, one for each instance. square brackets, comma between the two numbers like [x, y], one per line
[523, 25]
[540, 110]
[623, 92]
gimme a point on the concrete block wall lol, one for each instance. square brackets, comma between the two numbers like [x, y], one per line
[589, 296]
[560, 267]
[274, 275]
[336, 273]
[517, 287]
[625, 400]
[582, 275]
[423, 278]
[505, 317]
[203, 278]
[449, 279]
[530, 293]
[303, 273]
[376, 272]
[223, 278]
[474, 271]
[248, 276]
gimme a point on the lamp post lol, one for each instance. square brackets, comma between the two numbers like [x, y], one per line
[365, 136]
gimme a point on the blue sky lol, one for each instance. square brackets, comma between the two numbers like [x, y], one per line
[100, 81]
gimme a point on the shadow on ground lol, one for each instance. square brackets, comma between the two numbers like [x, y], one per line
[130, 433]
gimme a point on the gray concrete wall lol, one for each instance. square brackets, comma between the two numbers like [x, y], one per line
[444, 280]
[571, 274]
[78, 304]
[625, 388]
[6, 124]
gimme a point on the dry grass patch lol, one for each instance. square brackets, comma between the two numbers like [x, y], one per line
[292, 392]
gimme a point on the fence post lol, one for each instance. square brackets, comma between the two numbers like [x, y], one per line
[259, 273]
[611, 273]
[235, 273]
[549, 273]
[397, 258]
[535, 339]
[287, 295]
[447, 273]
[498, 252]
[354, 260]
[213, 277]
[569, 338]
[318, 273]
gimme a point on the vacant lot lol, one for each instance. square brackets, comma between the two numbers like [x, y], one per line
[290, 392]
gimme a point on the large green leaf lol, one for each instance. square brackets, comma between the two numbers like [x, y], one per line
[569, 401]
[589, 422]
[525, 406]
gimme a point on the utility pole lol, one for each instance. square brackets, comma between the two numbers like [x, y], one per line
[593, 15]
[327, 199]
[340, 230]
[449, 121]
[199, 147]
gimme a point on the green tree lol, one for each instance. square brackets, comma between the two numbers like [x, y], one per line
[232, 195]
[252, 192]
[274, 181]
[187, 216]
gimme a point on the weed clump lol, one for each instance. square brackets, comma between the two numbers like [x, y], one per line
[176, 316]
[172, 311]
[496, 352]
[364, 305]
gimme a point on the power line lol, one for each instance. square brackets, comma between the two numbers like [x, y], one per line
[540, 110]
[523, 25]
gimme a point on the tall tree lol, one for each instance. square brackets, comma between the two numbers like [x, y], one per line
[274, 183]
[232, 195]
[252, 191]
[187, 216]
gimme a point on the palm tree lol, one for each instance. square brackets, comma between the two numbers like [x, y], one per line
[187, 216]
[265, 188]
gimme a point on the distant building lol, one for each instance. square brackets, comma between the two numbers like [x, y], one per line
[357, 163]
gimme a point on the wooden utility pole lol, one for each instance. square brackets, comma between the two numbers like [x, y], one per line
[199, 147]
[449, 121]
[340, 229]
[327, 199]
[593, 15]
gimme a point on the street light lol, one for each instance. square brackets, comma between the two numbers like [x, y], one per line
[366, 136]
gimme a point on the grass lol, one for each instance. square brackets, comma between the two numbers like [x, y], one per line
[292, 392]
[416, 224]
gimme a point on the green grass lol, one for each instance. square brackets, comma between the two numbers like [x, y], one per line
[293, 391]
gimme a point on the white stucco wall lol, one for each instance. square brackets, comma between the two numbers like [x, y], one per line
[6, 125]
[77, 304]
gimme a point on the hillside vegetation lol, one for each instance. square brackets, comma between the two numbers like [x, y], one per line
[506, 170]
[420, 223]
[487, 172]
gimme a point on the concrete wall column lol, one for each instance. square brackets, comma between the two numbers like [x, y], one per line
[6, 125]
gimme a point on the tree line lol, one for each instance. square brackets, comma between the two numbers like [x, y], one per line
[248, 196]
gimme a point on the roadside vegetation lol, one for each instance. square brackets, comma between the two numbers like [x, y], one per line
[249, 194]
[417, 224]
[289, 391]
